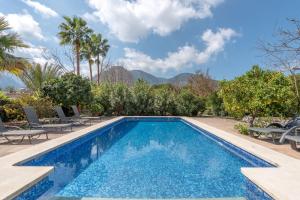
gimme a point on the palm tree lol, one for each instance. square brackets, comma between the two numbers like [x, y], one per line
[8, 43]
[87, 52]
[100, 50]
[35, 76]
[73, 31]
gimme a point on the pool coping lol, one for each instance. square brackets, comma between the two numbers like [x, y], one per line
[282, 182]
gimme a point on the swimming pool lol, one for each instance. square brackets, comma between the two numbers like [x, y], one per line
[146, 158]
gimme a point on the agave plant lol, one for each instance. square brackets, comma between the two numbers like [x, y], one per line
[8, 43]
[35, 76]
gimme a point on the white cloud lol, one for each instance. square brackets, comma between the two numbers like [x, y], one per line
[132, 20]
[184, 57]
[25, 25]
[40, 8]
[90, 17]
[33, 53]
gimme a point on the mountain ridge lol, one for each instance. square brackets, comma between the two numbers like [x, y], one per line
[114, 74]
[181, 79]
[120, 74]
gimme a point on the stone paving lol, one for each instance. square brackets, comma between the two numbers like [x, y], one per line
[228, 126]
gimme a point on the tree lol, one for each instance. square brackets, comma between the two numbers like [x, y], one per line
[73, 32]
[100, 51]
[36, 75]
[215, 105]
[284, 53]
[117, 74]
[188, 103]
[88, 49]
[69, 89]
[202, 84]
[258, 93]
[8, 43]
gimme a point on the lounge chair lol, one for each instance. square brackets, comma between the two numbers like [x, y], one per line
[34, 122]
[292, 137]
[276, 129]
[63, 118]
[6, 133]
[79, 116]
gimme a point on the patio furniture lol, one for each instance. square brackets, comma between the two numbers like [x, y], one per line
[274, 132]
[18, 132]
[292, 136]
[34, 122]
[79, 116]
[275, 129]
[65, 119]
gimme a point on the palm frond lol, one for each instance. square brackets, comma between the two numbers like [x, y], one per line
[12, 64]
[8, 43]
[35, 76]
[3, 24]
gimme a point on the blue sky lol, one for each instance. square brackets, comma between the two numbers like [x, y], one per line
[163, 37]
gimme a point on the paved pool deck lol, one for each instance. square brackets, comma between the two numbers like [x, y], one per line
[282, 182]
[227, 124]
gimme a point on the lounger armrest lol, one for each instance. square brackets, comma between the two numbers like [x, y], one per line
[282, 139]
[276, 124]
[31, 125]
[49, 120]
[12, 127]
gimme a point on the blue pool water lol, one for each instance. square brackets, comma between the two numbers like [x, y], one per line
[147, 158]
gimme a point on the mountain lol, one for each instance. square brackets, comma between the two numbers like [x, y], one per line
[120, 74]
[8, 80]
[151, 79]
[114, 74]
[180, 79]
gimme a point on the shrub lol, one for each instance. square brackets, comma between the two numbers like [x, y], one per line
[120, 99]
[95, 109]
[215, 105]
[3, 99]
[42, 105]
[10, 109]
[101, 96]
[164, 101]
[189, 104]
[69, 89]
[13, 111]
[242, 128]
[142, 98]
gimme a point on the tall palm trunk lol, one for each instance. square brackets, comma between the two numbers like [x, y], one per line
[98, 69]
[91, 70]
[78, 57]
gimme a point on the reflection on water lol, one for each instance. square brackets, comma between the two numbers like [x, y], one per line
[179, 151]
[70, 161]
[141, 159]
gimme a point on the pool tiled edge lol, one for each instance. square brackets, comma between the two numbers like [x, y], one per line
[282, 182]
[16, 179]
